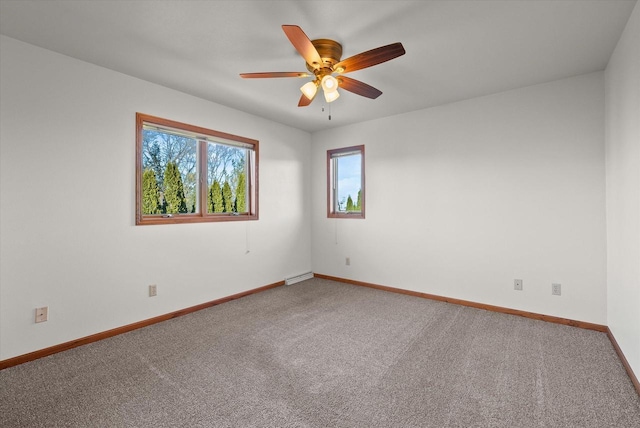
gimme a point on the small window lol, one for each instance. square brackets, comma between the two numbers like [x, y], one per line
[345, 178]
[188, 174]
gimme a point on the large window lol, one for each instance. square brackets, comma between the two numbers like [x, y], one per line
[345, 182]
[188, 174]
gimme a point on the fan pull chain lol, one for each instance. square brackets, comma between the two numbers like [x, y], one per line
[329, 111]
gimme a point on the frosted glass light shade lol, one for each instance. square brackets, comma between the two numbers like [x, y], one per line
[331, 96]
[309, 89]
[329, 84]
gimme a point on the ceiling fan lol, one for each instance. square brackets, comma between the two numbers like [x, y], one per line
[322, 58]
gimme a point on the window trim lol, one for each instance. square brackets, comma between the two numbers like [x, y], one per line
[331, 213]
[202, 134]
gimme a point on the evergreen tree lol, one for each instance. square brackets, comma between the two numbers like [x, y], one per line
[350, 204]
[150, 193]
[189, 186]
[359, 201]
[227, 198]
[215, 198]
[241, 194]
[173, 190]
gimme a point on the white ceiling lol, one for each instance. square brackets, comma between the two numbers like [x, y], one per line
[455, 49]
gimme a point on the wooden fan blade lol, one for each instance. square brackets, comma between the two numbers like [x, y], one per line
[358, 87]
[303, 45]
[274, 74]
[370, 58]
[304, 101]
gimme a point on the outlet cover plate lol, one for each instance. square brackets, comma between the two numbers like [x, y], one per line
[556, 289]
[153, 290]
[517, 284]
[42, 314]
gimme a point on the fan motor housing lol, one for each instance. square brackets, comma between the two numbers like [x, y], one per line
[330, 51]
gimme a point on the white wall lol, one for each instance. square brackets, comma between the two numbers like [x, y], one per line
[622, 79]
[67, 203]
[464, 198]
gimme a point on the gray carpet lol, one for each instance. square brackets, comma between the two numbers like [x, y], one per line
[324, 354]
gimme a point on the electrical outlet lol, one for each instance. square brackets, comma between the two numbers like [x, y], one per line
[517, 284]
[556, 289]
[153, 290]
[348, 261]
[42, 314]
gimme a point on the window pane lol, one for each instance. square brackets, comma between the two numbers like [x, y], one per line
[345, 182]
[348, 183]
[189, 174]
[227, 178]
[169, 180]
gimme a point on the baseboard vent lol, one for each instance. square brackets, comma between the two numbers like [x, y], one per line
[298, 278]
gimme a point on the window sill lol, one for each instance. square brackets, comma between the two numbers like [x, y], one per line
[185, 218]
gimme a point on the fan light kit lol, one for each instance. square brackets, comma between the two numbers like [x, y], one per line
[322, 58]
